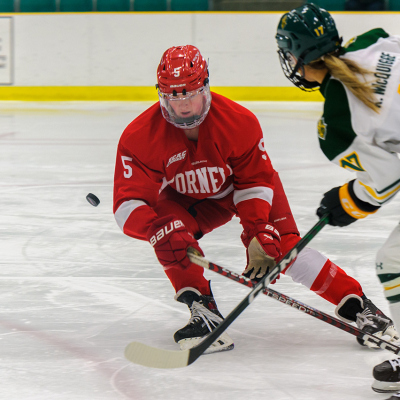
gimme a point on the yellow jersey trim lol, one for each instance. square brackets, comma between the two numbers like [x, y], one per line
[375, 196]
[391, 287]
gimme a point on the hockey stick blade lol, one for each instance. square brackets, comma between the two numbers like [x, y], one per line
[282, 298]
[158, 358]
[153, 357]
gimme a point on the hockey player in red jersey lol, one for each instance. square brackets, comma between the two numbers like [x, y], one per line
[188, 165]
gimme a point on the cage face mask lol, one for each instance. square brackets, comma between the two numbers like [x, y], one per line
[294, 71]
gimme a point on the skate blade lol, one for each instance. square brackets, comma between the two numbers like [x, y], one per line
[385, 387]
[223, 343]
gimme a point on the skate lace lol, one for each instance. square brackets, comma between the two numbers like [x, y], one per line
[395, 363]
[368, 318]
[199, 312]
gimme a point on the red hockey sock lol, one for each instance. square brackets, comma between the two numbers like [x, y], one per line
[333, 284]
[190, 277]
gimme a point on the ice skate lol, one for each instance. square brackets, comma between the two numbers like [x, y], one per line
[387, 377]
[205, 317]
[394, 397]
[368, 318]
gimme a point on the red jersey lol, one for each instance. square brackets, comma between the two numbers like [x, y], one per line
[229, 155]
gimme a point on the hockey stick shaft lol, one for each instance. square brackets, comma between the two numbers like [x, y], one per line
[198, 350]
[282, 298]
[142, 354]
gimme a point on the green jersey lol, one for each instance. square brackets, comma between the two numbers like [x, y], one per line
[353, 136]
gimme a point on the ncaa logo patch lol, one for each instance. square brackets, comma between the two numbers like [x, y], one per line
[177, 157]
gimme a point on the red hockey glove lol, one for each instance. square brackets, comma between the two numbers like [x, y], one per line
[343, 206]
[171, 240]
[263, 249]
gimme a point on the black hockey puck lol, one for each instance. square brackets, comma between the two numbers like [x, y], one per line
[93, 200]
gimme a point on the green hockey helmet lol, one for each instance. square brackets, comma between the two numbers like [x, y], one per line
[304, 35]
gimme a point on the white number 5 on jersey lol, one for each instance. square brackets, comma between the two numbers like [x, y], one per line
[128, 168]
[262, 148]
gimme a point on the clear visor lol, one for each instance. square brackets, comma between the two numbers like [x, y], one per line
[187, 110]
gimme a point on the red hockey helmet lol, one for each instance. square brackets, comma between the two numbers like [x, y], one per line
[183, 89]
[182, 68]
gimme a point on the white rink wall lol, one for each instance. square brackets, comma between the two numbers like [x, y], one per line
[123, 49]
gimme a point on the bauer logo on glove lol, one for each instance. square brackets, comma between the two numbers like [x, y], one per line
[165, 231]
[171, 241]
[272, 229]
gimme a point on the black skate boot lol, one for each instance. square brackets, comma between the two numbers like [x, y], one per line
[205, 317]
[394, 397]
[387, 377]
[368, 318]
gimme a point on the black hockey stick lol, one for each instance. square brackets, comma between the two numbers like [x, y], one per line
[282, 298]
[148, 356]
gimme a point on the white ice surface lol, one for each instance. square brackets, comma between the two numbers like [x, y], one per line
[74, 290]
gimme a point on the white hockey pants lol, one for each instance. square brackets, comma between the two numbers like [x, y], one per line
[388, 271]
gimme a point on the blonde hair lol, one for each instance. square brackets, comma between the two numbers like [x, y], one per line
[345, 70]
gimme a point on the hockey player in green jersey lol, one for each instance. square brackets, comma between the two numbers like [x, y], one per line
[359, 130]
